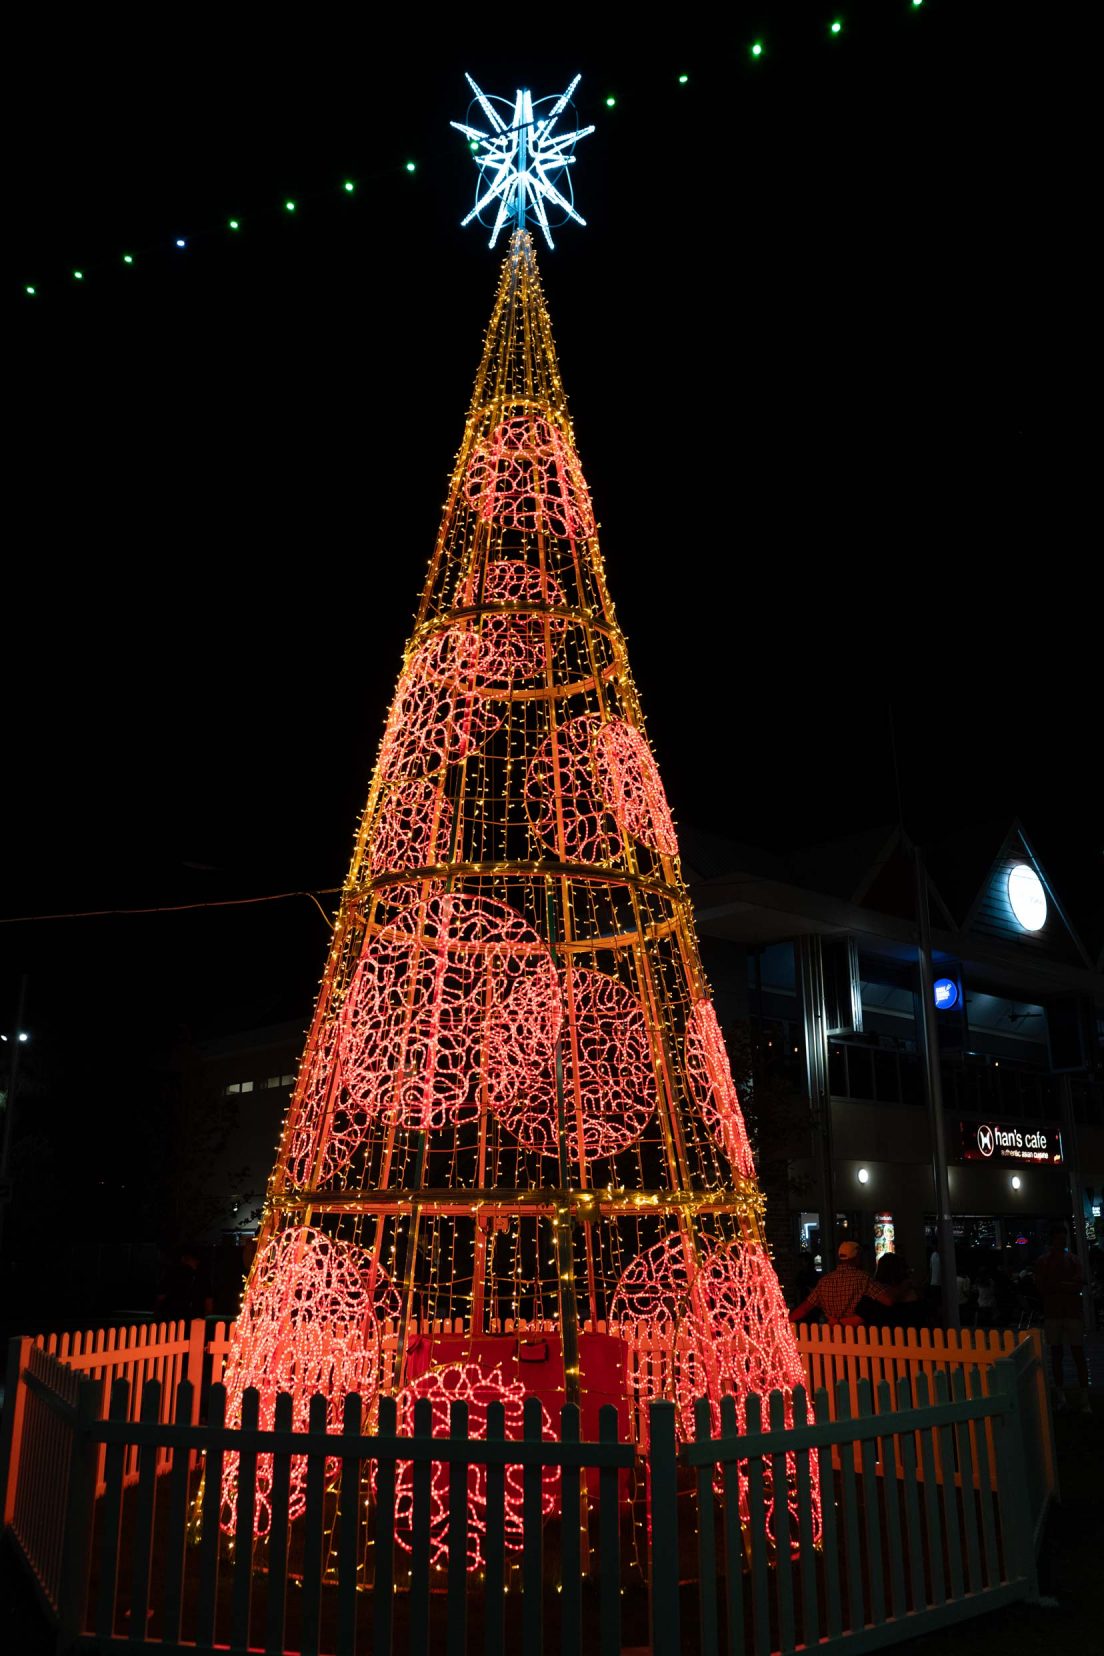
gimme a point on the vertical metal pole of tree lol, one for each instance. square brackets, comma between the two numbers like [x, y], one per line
[1072, 1159]
[9, 1104]
[810, 971]
[933, 1086]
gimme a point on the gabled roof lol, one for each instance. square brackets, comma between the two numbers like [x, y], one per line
[991, 916]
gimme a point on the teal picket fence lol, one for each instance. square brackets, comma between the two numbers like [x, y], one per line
[709, 1546]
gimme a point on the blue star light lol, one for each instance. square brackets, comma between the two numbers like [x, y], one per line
[522, 161]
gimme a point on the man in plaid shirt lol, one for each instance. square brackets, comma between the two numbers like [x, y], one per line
[838, 1293]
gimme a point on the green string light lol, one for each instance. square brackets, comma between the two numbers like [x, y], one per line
[837, 26]
[756, 50]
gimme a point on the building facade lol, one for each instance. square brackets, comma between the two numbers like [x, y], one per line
[819, 953]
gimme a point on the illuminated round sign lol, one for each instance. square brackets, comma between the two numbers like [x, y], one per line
[1028, 899]
[985, 1142]
[946, 993]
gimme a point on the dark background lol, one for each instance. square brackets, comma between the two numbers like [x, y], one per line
[814, 338]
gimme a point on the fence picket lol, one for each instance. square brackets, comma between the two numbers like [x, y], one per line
[243, 1529]
[891, 1497]
[493, 1606]
[783, 1563]
[532, 1544]
[177, 1524]
[856, 1614]
[1019, 1548]
[571, 1603]
[943, 1440]
[422, 1472]
[276, 1587]
[914, 1541]
[457, 1634]
[311, 1595]
[733, 1537]
[707, 1542]
[931, 1498]
[609, 1541]
[757, 1533]
[212, 1511]
[143, 1515]
[663, 1507]
[969, 1497]
[989, 1548]
[384, 1535]
[112, 1513]
[810, 1620]
[871, 1484]
[348, 1538]
[983, 1442]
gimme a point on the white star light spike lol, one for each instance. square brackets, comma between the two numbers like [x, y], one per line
[522, 163]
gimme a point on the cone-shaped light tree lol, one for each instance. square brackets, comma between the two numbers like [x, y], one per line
[515, 1159]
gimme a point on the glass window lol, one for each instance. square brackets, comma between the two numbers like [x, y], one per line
[912, 1083]
[887, 1086]
[287, 1080]
[837, 1069]
[860, 1072]
[234, 1087]
[247, 1086]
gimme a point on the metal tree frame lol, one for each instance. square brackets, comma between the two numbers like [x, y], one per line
[514, 1084]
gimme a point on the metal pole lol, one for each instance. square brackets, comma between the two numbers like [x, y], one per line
[9, 1105]
[1072, 1159]
[948, 1266]
[810, 968]
[523, 149]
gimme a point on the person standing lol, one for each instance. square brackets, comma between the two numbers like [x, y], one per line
[986, 1298]
[1058, 1275]
[838, 1292]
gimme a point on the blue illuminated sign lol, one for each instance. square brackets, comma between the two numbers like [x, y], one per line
[946, 993]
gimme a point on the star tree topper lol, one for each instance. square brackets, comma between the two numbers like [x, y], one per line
[521, 160]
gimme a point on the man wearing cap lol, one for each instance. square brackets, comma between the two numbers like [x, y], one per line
[839, 1292]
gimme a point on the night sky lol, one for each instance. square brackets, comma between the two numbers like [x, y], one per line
[808, 340]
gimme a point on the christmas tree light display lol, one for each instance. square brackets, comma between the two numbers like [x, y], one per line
[514, 1159]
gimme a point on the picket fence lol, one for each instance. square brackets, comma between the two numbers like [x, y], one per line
[933, 1470]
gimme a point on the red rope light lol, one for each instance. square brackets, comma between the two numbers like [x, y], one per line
[525, 476]
[310, 1323]
[435, 990]
[712, 1087]
[606, 1063]
[629, 779]
[413, 828]
[511, 646]
[562, 798]
[438, 715]
[467, 1382]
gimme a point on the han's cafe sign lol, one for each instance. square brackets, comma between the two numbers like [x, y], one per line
[999, 1141]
